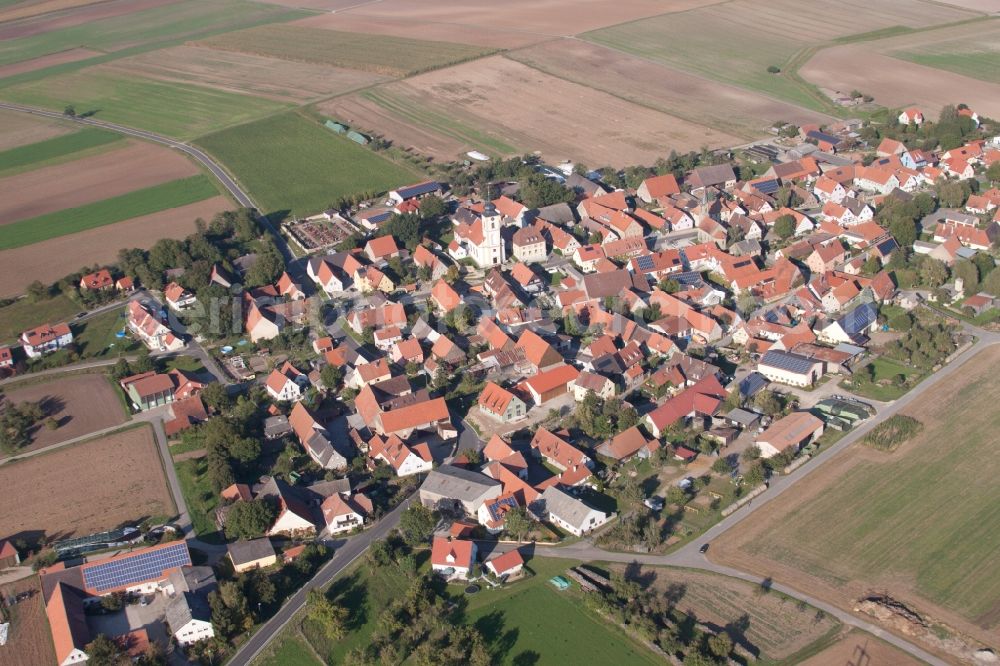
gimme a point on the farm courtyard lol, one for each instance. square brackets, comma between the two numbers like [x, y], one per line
[95, 485]
[920, 524]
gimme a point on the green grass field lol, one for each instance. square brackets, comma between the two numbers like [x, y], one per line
[971, 49]
[174, 109]
[527, 622]
[55, 150]
[201, 501]
[108, 211]
[24, 314]
[442, 123]
[290, 651]
[885, 370]
[149, 28]
[394, 56]
[95, 338]
[534, 620]
[290, 162]
[922, 521]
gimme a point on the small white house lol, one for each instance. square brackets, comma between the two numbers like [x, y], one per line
[567, 512]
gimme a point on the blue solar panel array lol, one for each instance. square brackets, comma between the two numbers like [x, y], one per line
[135, 568]
[645, 263]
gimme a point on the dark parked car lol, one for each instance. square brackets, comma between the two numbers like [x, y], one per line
[704, 548]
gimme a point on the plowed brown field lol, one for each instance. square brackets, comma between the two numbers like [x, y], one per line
[20, 129]
[52, 259]
[132, 166]
[88, 487]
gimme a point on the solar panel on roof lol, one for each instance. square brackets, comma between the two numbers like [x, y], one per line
[767, 186]
[135, 568]
[752, 383]
[786, 361]
[645, 262]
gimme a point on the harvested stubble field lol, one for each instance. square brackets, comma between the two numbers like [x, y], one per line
[52, 259]
[292, 163]
[178, 110]
[553, 18]
[120, 477]
[772, 626]
[737, 41]
[136, 203]
[560, 119]
[124, 168]
[897, 83]
[19, 129]
[80, 403]
[23, 10]
[921, 524]
[121, 24]
[858, 647]
[390, 56]
[261, 76]
[726, 108]
[28, 640]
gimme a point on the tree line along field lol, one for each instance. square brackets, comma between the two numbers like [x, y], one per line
[392, 56]
[921, 524]
[736, 42]
[292, 163]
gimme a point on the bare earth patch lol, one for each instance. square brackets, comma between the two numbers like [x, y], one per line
[119, 480]
[28, 640]
[559, 119]
[20, 129]
[50, 60]
[52, 259]
[132, 166]
[896, 82]
[858, 647]
[693, 98]
[246, 73]
[80, 403]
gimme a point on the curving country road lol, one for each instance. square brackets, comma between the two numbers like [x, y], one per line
[688, 556]
[241, 197]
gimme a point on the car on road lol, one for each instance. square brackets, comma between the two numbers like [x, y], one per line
[704, 548]
[80, 314]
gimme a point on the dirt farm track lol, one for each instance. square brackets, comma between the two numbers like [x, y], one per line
[88, 487]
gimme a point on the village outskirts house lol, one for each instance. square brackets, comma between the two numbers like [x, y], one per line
[567, 512]
[286, 384]
[46, 339]
[790, 433]
[246, 555]
[453, 558]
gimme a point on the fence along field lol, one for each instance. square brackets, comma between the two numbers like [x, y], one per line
[920, 524]
[736, 42]
[391, 56]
